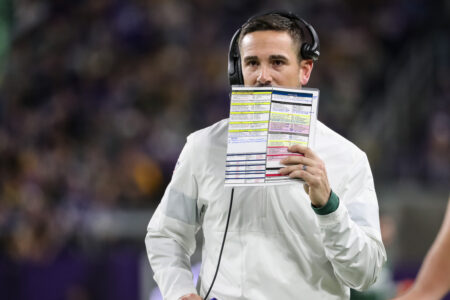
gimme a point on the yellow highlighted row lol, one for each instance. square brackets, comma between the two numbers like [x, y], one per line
[249, 112]
[252, 103]
[250, 93]
[242, 130]
[248, 122]
[283, 113]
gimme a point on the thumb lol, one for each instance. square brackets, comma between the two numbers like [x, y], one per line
[306, 187]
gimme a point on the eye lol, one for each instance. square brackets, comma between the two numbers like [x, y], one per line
[278, 62]
[252, 63]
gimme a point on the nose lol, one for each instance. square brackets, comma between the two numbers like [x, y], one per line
[264, 76]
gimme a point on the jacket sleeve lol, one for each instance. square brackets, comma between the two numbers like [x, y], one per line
[170, 239]
[351, 234]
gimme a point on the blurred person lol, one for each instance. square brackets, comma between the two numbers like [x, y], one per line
[433, 281]
[284, 242]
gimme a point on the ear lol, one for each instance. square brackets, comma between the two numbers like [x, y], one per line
[306, 66]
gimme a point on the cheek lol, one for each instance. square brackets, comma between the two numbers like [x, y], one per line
[249, 76]
[292, 78]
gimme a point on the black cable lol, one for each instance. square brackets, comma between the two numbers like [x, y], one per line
[223, 244]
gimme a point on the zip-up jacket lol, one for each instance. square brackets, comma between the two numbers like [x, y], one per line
[277, 245]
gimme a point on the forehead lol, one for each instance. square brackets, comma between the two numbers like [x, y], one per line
[268, 42]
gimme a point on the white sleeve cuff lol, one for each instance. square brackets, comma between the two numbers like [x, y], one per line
[333, 218]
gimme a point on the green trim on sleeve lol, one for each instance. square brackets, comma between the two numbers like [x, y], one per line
[331, 206]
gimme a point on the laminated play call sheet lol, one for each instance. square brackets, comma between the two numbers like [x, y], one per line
[264, 122]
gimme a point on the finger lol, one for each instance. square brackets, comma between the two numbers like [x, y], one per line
[310, 169]
[298, 148]
[313, 170]
[289, 169]
[310, 179]
[290, 160]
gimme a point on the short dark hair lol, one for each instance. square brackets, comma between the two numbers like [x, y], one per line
[274, 22]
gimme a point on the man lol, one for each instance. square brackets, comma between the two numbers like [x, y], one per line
[283, 242]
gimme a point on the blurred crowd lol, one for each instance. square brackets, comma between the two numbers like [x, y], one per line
[97, 98]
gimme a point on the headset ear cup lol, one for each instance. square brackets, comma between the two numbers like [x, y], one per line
[236, 77]
[234, 61]
[305, 51]
[234, 71]
[310, 50]
[239, 74]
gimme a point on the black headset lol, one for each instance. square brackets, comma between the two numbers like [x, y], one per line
[310, 48]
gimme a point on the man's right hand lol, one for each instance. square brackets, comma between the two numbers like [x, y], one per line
[191, 297]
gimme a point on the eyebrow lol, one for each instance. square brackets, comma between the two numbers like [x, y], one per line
[250, 58]
[271, 57]
[278, 57]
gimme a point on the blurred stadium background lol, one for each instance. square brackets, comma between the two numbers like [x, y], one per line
[97, 98]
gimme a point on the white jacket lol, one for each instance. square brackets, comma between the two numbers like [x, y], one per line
[277, 247]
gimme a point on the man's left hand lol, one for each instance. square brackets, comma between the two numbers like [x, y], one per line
[312, 170]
